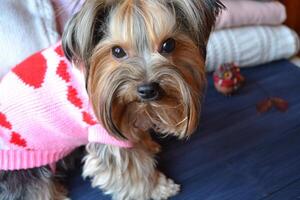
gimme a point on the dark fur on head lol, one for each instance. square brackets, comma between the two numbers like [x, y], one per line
[83, 34]
[140, 28]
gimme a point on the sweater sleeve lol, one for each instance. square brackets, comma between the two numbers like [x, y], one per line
[98, 134]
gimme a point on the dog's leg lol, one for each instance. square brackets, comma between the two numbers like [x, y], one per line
[127, 174]
[32, 184]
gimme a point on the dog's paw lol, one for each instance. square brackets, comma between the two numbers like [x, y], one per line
[165, 188]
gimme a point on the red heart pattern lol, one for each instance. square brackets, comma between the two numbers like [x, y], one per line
[73, 98]
[62, 71]
[17, 140]
[32, 71]
[3, 121]
[87, 118]
[59, 50]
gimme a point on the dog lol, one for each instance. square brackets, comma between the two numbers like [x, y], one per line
[143, 66]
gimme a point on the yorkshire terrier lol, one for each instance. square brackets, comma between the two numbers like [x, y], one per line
[143, 63]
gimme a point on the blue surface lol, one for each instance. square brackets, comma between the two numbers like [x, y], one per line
[237, 154]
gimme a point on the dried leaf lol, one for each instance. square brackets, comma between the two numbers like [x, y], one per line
[281, 104]
[264, 106]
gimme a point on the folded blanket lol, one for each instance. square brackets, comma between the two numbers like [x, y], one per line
[249, 46]
[26, 27]
[241, 13]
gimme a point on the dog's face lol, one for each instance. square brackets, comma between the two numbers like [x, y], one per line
[143, 61]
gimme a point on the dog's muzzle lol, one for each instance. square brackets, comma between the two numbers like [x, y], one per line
[149, 91]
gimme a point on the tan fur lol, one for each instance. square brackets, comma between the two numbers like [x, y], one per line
[140, 27]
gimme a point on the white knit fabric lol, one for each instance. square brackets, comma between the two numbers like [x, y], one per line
[250, 46]
[26, 26]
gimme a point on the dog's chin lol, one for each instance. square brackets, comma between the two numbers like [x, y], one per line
[169, 117]
[165, 115]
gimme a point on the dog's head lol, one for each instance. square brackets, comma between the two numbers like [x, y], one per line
[143, 61]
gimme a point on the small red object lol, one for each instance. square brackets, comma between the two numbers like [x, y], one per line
[18, 140]
[276, 102]
[32, 71]
[4, 122]
[228, 79]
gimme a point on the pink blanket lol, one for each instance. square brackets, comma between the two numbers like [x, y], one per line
[64, 9]
[244, 13]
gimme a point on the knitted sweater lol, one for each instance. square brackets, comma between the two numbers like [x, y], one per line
[45, 112]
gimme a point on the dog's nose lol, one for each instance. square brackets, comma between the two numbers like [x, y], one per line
[148, 91]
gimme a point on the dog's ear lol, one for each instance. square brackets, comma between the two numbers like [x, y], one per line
[85, 30]
[197, 17]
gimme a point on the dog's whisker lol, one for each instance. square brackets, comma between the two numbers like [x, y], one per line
[182, 121]
[165, 106]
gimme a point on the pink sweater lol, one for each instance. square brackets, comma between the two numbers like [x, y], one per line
[45, 112]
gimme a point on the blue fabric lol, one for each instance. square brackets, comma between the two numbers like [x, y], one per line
[237, 154]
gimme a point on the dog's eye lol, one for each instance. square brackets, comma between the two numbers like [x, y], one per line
[168, 46]
[118, 52]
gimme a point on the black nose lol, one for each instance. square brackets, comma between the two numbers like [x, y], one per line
[148, 91]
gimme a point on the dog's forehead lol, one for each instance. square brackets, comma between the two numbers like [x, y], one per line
[141, 24]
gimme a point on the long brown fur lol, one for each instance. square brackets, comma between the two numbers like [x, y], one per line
[140, 27]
